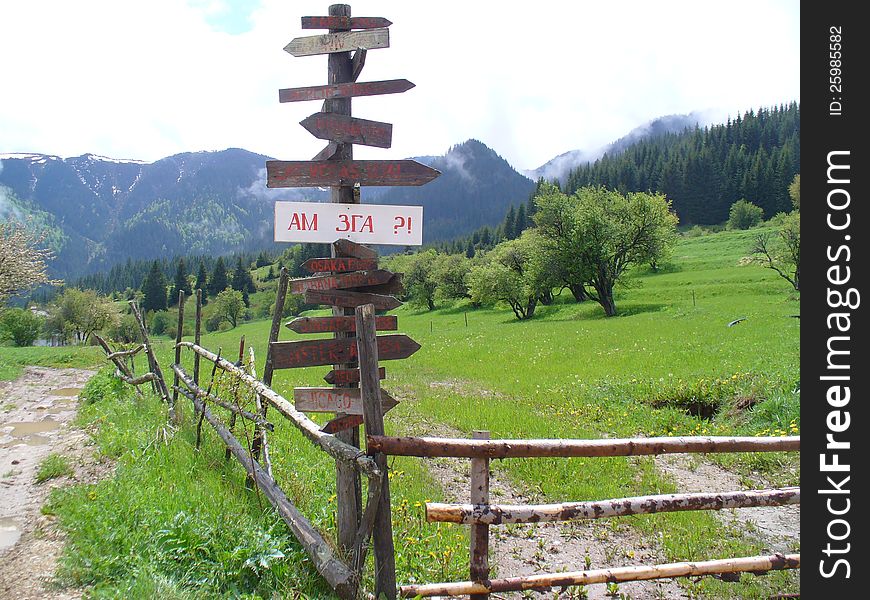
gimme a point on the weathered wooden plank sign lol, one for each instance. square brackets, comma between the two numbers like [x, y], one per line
[344, 90]
[342, 423]
[349, 249]
[346, 299]
[335, 400]
[340, 281]
[338, 324]
[337, 22]
[339, 264]
[311, 173]
[391, 288]
[320, 222]
[313, 353]
[349, 376]
[343, 41]
[349, 130]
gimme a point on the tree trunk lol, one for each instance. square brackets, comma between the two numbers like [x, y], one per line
[530, 308]
[546, 297]
[605, 299]
[579, 292]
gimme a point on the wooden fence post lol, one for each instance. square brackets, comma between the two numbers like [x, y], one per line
[176, 410]
[269, 367]
[159, 381]
[197, 334]
[373, 416]
[479, 569]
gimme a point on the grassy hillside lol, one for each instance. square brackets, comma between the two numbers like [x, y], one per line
[670, 364]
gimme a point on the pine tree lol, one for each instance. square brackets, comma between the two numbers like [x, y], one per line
[521, 223]
[218, 281]
[243, 282]
[180, 284]
[154, 289]
[509, 230]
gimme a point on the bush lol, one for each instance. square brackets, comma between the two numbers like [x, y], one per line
[160, 322]
[20, 326]
[744, 214]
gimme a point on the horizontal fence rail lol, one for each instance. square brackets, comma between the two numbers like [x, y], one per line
[615, 575]
[497, 514]
[464, 448]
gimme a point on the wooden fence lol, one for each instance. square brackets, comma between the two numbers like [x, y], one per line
[345, 573]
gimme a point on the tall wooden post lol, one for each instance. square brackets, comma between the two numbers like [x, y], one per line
[348, 487]
[176, 409]
[269, 367]
[479, 533]
[197, 336]
[373, 415]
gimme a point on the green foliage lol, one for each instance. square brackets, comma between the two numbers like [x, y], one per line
[14, 359]
[218, 281]
[780, 251]
[229, 306]
[180, 283]
[126, 330]
[154, 290]
[160, 322]
[52, 466]
[75, 314]
[794, 191]
[744, 215]
[20, 326]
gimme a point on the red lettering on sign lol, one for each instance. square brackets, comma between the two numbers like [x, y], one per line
[300, 222]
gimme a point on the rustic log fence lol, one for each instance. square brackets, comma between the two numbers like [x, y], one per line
[480, 514]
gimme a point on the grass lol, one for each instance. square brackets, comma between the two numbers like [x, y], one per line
[14, 359]
[669, 364]
[53, 466]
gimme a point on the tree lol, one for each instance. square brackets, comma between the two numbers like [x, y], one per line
[616, 231]
[781, 251]
[420, 281]
[78, 313]
[243, 281]
[451, 272]
[181, 284]
[154, 289]
[794, 191]
[229, 306]
[202, 282]
[22, 260]
[20, 326]
[744, 215]
[218, 281]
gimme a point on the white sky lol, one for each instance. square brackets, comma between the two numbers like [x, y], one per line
[146, 79]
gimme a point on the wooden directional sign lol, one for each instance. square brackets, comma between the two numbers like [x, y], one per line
[343, 41]
[349, 130]
[342, 423]
[391, 288]
[344, 90]
[335, 400]
[339, 265]
[339, 324]
[347, 299]
[341, 281]
[348, 376]
[304, 173]
[344, 22]
[312, 353]
[350, 249]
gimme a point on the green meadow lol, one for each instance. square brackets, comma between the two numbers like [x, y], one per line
[183, 526]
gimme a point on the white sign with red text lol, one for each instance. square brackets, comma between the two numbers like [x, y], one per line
[318, 222]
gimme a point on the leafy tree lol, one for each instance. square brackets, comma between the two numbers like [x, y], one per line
[507, 274]
[744, 215]
[450, 273]
[794, 192]
[617, 231]
[180, 284]
[160, 322]
[781, 251]
[154, 289]
[420, 281]
[76, 314]
[556, 218]
[22, 260]
[229, 306]
[218, 281]
[20, 326]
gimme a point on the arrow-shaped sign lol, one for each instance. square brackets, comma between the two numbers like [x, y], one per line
[349, 130]
[342, 423]
[344, 90]
[339, 265]
[335, 400]
[348, 376]
[304, 173]
[350, 249]
[350, 299]
[313, 353]
[336, 22]
[343, 41]
[341, 281]
[338, 324]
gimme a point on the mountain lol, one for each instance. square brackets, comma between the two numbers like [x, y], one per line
[98, 211]
[558, 168]
[476, 188]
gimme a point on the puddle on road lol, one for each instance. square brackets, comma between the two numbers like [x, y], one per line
[30, 440]
[9, 532]
[67, 391]
[26, 428]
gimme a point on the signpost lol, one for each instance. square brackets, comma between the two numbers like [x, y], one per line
[350, 277]
[319, 222]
